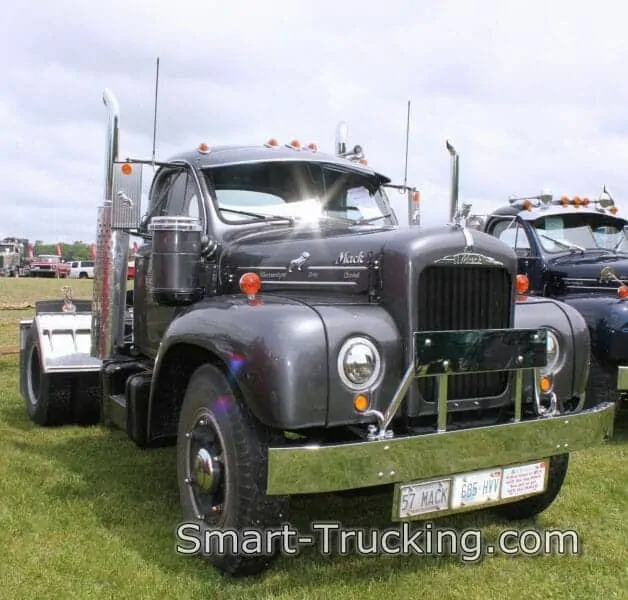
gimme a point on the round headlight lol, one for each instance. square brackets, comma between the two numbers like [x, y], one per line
[553, 353]
[359, 363]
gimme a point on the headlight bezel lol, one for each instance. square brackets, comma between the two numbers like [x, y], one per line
[553, 364]
[376, 375]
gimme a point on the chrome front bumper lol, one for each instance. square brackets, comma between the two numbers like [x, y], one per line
[314, 469]
[385, 459]
[622, 378]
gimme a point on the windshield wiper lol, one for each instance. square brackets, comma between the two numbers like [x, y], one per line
[563, 243]
[261, 216]
[373, 219]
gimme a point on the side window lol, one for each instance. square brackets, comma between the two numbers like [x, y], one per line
[512, 233]
[183, 196]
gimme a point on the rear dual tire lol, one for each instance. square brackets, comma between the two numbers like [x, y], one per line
[51, 400]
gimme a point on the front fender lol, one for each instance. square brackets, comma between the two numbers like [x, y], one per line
[607, 318]
[572, 331]
[275, 352]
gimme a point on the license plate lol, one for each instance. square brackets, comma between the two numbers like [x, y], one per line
[480, 487]
[467, 490]
[418, 498]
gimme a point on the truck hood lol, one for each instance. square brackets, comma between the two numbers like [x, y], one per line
[582, 274]
[344, 258]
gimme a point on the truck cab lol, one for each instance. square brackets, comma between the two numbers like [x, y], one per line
[288, 336]
[575, 249]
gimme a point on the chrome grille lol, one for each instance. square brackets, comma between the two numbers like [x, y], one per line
[456, 297]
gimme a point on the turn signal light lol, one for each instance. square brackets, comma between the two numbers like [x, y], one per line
[545, 384]
[360, 403]
[250, 284]
[622, 291]
[416, 197]
[523, 283]
[126, 169]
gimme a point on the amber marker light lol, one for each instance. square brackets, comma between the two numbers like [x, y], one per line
[564, 201]
[126, 169]
[545, 384]
[360, 403]
[622, 291]
[523, 283]
[250, 284]
[272, 143]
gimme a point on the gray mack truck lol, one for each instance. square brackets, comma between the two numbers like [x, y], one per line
[290, 337]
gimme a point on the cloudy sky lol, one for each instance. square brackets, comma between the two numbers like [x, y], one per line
[533, 94]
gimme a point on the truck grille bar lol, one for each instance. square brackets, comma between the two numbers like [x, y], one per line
[455, 297]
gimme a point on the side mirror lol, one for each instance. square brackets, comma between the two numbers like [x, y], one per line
[126, 195]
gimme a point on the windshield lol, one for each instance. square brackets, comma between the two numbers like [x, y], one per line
[584, 231]
[6, 248]
[302, 190]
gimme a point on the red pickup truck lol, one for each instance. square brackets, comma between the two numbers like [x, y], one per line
[49, 265]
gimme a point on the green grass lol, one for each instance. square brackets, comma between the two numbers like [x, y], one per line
[85, 514]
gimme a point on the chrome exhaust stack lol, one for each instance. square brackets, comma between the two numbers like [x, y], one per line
[453, 208]
[112, 250]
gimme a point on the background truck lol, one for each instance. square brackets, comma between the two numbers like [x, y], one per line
[49, 265]
[290, 338]
[576, 250]
[14, 257]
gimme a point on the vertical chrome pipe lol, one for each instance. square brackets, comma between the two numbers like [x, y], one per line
[109, 297]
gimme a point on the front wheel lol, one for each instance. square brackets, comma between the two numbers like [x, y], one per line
[532, 506]
[221, 469]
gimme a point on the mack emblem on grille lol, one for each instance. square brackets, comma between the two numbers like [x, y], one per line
[468, 258]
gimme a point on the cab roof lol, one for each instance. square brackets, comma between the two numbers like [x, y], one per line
[220, 156]
[531, 212]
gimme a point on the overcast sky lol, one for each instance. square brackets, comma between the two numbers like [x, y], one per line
[533, 94]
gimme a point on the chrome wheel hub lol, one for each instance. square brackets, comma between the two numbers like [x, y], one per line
[205, 481]
[205, 471]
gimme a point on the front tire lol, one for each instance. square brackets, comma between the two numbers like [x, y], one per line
[532, 506]
[221, 469]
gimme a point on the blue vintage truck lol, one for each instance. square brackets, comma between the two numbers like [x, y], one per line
[575, 249]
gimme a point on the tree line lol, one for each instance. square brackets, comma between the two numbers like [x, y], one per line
[78, 250]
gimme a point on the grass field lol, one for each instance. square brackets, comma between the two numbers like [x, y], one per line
[85, 514]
